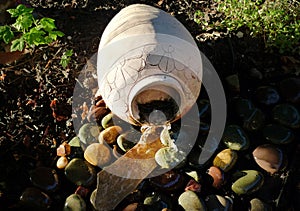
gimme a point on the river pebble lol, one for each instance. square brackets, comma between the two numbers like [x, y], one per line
[290, 89]
[74, 202]
[110, 134]
[225, 159]
[269, 158]
[266, 95]
[191, 202]
[98, 154]
[80, 172]
[278, 134]
[248, 182]
[88, 134]
[217, 175]
[287, 115]
[35, 199]
[218, 203]
[235, 138]
[44, 178]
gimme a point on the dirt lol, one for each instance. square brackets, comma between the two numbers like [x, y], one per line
[33, 129]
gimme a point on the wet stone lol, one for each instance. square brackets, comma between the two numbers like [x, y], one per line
[290, 90]
[128, 140]
[248, 182]
[217, 175]
[35, 199]
[80, 172]
[269, 158]
[169, 181]
[193, 185]
[235, 138]
[107, 121]
[97, 154]
[258, 205]
[287, 115]
[62, 162]
[110, 134]
[225, 159]
[157, 201]
[190, 201]
[44, 178]
[74, 202]
[243, 107]
[218, 203]
[266, 95]
[88, 134]
[75, 142]
[254, 120]
[278, 134]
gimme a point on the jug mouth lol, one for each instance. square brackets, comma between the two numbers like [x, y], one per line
[162, 94]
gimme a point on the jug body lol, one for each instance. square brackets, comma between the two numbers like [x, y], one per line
[148, 61]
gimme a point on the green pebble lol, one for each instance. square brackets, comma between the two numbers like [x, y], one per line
[248, 182]
[80, 172]
[287, 115]
[191, 202]
[74, 203]
[235, 138]
[278, 134]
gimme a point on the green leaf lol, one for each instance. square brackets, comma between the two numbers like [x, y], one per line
[47, 24]
[65, 58]
[35, 37]
[24, 22]
[6, 34]
[20, 10]
[17, 45]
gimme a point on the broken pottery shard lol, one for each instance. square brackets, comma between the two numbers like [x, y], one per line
[122, 177]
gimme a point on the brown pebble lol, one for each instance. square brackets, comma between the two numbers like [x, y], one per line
[97, 113]
[268, 157]
[110, 134]
[62, 162]
[217, 175]
[97, 154]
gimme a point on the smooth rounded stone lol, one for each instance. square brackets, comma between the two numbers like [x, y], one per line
[189, 201]
[157, 201]
[225, 159]
[97, 154]
[269, 158]
[258, 205]
[44, 178]
[74, 202]
[93, 198]
[248, 182]
[217, 175]
[278, 134]
[62, 162]
[267, 95]
[235, 138]
[128, 140]
[63, 149]
[35, 199]
[287, 115]
[110, 134]
[233, 82]
[193, 185]
[96, 114]
[80, 172]
[88, 134]
[107, 121]
[74, 142]
[169, 181]
[218, 203]
[243, 107]
[131, 207]
[290, 90]
[254, 120]
[168, 157]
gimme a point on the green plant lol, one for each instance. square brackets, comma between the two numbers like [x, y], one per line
[65, 58]
[28, 31]
[277, 21]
